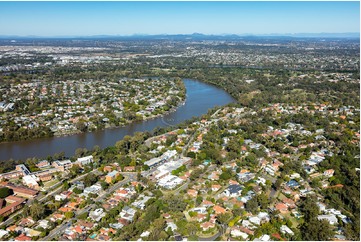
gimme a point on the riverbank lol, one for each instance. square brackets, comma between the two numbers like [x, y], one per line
[200, 97]
[173, 109]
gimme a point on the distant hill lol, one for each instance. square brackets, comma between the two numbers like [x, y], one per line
[194, 36]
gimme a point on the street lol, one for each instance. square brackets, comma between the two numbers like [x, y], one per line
[60, 229]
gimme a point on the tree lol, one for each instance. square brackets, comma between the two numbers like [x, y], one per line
[316, 230]
[89, 180]
[66, 185]
[262, 200]
[225, 175]
[4, 192]
[309, 208]
[192, 228]
[252, 205]
[69, 215]
[37, 210]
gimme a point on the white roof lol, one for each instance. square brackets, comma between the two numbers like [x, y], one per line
[30, 180]
[3, 233]
[86, 158]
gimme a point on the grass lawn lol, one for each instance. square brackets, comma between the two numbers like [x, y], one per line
[292, 219]
[208, 234]
[281, 196]
[48, 184]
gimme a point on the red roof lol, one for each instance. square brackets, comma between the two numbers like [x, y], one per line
[22, 237]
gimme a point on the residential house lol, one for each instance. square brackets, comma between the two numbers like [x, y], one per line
[97, 214]
[329, 173]
[233, 191]
[286, 230]
[111, 176]
[216, 187]
[331, 218]
[23, 237]
[281, 207]
[207, 225]
[192, 193]
[219, 210]
[85, 160]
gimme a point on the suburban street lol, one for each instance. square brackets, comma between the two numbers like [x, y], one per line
[60, 229]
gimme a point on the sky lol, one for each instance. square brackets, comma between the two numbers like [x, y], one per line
[127, 18]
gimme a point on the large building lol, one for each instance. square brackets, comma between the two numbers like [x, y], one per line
[13, 203]
[62, 165]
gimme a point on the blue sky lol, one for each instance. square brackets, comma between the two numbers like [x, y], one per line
[126, 18]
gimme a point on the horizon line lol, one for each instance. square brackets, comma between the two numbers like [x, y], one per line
[182, 34]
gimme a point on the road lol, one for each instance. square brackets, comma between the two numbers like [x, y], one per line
[60, 229]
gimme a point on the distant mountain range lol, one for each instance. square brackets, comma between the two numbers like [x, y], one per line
[194, 36]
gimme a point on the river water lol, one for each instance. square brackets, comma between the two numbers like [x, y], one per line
[200, 98]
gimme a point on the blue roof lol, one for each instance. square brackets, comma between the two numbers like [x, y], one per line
[292, 183]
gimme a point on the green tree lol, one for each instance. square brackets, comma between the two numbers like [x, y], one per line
[316, 230]
[37, 210]
[252, 205]
[4, 192]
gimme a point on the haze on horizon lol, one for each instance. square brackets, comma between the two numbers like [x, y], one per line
[128, 18]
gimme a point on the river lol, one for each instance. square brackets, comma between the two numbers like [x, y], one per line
[200, 98]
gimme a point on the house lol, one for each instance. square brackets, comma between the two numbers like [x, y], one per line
[289, 202]
[94, 189]
[129, 168]
[22, 237]
[107, 231]
[15, 228]
[246, 230]
[200, 217]
[329, 173]
[199, 209]
[111, 176]
[172, 226]
[3, 233]
[207, 225]
[286, 230]
[86, 224]
[145, 234]
[264, 237]
[85, 160]
[281, 207]
[331, 218]
[192, 193]
[293, 184]
[57, 216]
[26, 222]
[233, 191]
[97, 214]
[207, 204]
[31, 232]
[107, 168]
[216, 187]
[236, 232]
[255, 220]
[63, 195]
[219, 210]
[44, 224]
